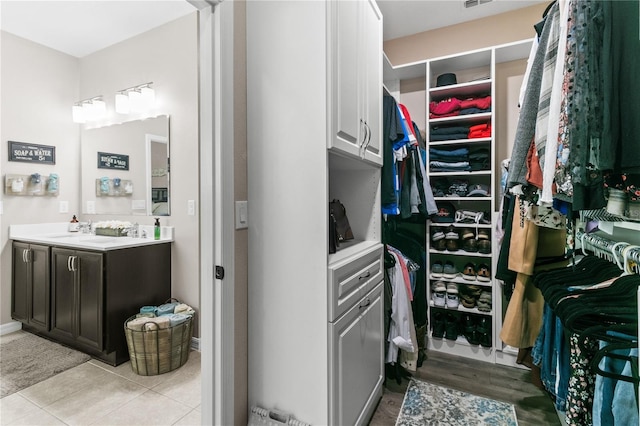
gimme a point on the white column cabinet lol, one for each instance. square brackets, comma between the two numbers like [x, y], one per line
[315, 319]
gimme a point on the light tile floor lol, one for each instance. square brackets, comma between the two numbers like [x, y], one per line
[95, 393]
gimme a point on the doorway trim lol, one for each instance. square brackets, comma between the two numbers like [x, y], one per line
[216, 210]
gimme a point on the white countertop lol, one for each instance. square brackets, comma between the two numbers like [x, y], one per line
[57, 234]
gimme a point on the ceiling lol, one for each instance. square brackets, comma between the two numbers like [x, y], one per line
[406, 17]
[79, 28]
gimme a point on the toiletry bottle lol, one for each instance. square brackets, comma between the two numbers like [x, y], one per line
[156, 229]
[74, 225]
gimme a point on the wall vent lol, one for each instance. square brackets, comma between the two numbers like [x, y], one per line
[472, 3]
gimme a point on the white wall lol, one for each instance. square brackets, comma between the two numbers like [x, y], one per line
[39, 85]
[167, 56]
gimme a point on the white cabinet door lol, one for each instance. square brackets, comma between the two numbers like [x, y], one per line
[357, 371]
[356, 57]
[372, 68]
[344, 42]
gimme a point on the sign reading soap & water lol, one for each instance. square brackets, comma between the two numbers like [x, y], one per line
[32, 153]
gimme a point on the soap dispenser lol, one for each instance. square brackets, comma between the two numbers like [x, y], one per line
[156, 229]
[74, 225]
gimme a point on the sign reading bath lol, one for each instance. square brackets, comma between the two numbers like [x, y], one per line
[113, 161]
[32, 153]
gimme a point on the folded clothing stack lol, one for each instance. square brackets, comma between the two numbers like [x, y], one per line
[448, 133]
[452, 107]
[449, 160]
[479, 159]
[480, 131]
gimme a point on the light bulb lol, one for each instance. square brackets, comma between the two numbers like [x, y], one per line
[78, 114]
[135, 100]
[99, 109]
[148, 97]
[122, 103]
[88, 110]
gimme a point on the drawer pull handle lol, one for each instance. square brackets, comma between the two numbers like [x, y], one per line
[366, 275]
[365, 303]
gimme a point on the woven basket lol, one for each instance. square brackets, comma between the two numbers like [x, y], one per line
[159, 351]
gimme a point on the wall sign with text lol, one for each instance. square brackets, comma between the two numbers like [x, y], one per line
[113, 161]
[32, 153]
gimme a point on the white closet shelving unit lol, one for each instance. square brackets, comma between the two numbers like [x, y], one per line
[314, 133]
[476, 73]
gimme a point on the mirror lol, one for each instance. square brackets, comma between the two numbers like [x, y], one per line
[125, 168]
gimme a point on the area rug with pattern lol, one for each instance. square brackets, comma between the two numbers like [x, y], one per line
[26, 359]
[428, 404]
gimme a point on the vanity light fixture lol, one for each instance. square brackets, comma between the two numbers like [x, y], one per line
[138, 98]
[89, 110]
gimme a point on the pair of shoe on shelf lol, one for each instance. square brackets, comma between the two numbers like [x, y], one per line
[471, 272]
[445, 294]
[446, 270]
[445, 238]
[480, 243]
[445, 325]
[477, 331]
[474, 296]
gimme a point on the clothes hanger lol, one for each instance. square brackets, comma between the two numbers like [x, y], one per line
[615, 254]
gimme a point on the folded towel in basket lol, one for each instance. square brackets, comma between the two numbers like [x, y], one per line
[166, 308]
[183, 308]
[144, 323]
[176, 319]
[148, 309]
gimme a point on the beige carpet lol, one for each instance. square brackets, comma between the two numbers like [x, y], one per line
[26, 359]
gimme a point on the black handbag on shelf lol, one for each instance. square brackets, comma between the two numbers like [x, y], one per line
[343, 231]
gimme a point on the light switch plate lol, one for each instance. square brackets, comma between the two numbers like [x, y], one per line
[91, 207]
[242, 218]
[191, 207]
[64, 207]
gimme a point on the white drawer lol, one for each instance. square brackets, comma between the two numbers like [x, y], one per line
[351, 279]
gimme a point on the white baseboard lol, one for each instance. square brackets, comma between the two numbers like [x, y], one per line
[10, 327]
[195, 343]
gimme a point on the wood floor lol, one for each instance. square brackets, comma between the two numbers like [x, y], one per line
[534, 407]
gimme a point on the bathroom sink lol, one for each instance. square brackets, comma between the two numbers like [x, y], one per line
[83, 238]
[98, 239]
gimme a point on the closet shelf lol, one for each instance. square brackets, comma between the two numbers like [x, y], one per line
[461, 308]
[465, 173]
[459, 253]
[463, 225]
[460, 280]
[459, 198]
[462, 90]
[461, 141]
[462, 119]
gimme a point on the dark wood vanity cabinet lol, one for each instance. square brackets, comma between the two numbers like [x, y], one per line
[30, 285]
[92, 293]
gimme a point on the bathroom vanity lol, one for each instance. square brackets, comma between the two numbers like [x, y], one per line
[78, 289]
